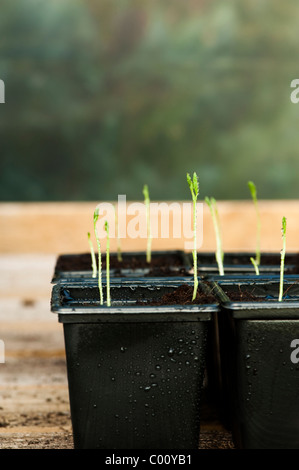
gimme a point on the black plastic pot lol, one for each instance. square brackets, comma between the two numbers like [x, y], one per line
[164, 263]
[135, 372]
[259, 379]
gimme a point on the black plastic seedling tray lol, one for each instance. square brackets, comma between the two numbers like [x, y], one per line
[259, 379]
[236, 264]
[135, 372]
[78, 266]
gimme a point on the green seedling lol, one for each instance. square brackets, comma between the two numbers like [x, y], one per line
[253, 192]
[256, 268]
[194, 188]
[93, 257]
[282, 257]
[148, 224]
[108, 264]
[95, 219]
[215, 217]
[119, 252]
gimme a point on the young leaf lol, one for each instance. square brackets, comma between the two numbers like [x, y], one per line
[96, 215]
[252, 189]
[195, 184]
[146, 193]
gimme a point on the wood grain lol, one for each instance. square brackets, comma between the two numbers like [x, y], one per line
[62, 227]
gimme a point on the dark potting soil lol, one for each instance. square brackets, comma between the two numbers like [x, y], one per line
[166, 271]
[160, 265]
[182, 295]
[266, 259]
[244, 296]
[291, 261]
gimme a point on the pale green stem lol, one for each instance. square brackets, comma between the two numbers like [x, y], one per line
[195, 250]
[149, 237]
[257, 271]
[100, 284]
[282, 259]
[108, 265]
[215, 218]
[148, 225]
[219, 252]
[93, 257]
[194, 188]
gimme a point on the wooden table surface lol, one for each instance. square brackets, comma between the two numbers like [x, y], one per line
[34, 402]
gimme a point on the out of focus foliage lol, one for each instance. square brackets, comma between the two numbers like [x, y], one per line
[103, 96]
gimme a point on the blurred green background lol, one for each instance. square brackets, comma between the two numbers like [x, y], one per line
[103, 96]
